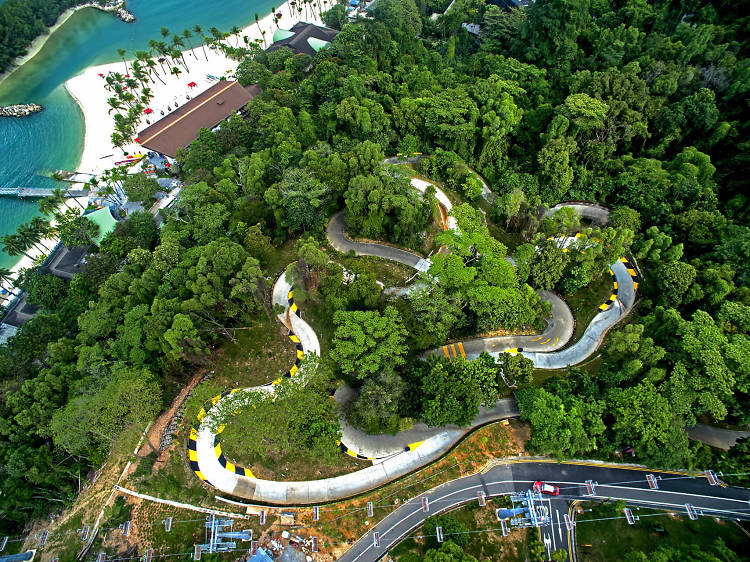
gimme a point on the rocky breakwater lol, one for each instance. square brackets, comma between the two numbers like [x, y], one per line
[19, 110]
[117, 7]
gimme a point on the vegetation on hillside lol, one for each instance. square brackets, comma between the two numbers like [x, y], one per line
[640, 106]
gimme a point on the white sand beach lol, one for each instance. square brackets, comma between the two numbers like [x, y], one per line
[88, 89]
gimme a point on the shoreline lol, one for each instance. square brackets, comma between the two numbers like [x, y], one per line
[41, 40]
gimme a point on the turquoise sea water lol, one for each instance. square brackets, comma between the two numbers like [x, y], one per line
[53, 139]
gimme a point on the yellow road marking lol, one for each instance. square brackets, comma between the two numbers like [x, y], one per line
[546, 341]
[412, 446]
[461, 349]
[557, 340]
[537, 339]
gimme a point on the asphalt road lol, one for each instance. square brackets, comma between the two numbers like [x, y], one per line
[338, 239]
[716, 436]
[612, 481]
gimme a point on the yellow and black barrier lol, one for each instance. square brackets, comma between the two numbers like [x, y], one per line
[193, 437]
[348, 451]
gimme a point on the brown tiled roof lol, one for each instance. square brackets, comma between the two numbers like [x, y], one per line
[207, 109]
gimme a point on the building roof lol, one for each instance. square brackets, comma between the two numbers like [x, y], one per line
[103, 217]
[206, 110]
[304, 38]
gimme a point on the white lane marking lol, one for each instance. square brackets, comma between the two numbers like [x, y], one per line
[551, 524]
[559, 529]
[419, 509]
[656, 492]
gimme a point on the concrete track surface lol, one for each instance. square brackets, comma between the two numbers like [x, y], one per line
[394, 455]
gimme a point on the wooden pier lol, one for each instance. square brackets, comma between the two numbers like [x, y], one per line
[41, 192]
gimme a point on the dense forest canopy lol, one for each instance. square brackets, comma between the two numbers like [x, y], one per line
[641, 106]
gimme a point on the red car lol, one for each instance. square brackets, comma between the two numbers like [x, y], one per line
[545, 488]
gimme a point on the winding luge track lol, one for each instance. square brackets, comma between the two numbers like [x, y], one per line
[396, 455]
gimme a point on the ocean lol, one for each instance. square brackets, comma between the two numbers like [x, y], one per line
[53, 139]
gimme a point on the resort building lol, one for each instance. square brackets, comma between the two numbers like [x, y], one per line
[304, 38]
[206, 110]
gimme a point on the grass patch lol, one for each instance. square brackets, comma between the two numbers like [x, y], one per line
[585, 303]
[293, 467]
[282, 257]
[491, 545]
[262, 353]
[390, 273]
[603, 541]
[175, 480]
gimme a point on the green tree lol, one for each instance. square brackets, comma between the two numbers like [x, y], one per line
[139, 187]
[368, 342]
[548, 265]
[377, 407]
[95, 418]
[644, 419]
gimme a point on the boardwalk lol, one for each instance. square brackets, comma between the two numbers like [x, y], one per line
[41, 192]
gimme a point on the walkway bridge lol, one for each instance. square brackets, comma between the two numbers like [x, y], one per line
[41, 192]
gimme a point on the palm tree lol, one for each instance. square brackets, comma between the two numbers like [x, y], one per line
[199, 32]
[28, 236]
[163, 50]
[7, 276]
[256, 21]
[155, 47]
[216, 34]
[138, 73]
[236, 32]
[146, 95]
[114, 104]
[187, 35]
[152, 68]
[164, 32]
[43, 228]
[122, 52]
[58, 194]
[47, 206]
[13, 246]
[291, 5]
[176, 58]
[178, 42]
[175, 71]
